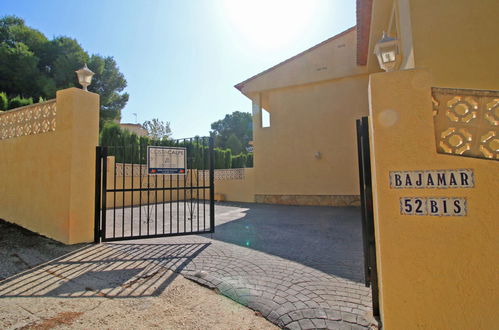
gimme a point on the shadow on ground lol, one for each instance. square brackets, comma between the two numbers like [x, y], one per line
[21, 249]
[328, 239]
[40, 267]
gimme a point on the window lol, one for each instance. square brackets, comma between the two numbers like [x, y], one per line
[265, 118]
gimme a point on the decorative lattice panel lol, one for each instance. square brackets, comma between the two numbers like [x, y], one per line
[466, 122]
[33, 119]
[137, 170]
[226, 174]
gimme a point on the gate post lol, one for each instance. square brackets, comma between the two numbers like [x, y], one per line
[212, 185]
[98, 181]
[368, 235]
[103, 192]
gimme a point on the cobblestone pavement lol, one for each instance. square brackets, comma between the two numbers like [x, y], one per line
[300, 267]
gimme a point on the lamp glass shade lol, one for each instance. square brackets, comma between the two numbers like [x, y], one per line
[387, 51]
[84, 76]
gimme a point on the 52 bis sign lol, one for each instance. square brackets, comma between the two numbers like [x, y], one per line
[438, 206]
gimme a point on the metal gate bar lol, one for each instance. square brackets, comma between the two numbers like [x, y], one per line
[186, 196]
[366, 200]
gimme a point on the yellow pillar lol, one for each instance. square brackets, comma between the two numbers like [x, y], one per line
[79, 112]
[47, 170]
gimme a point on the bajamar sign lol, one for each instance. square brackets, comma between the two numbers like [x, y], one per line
[436, 206]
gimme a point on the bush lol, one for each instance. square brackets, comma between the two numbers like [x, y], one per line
[222, 158]
[18, 101]
[249, 160]
[4, 101]
[239, 161]
[242, 160]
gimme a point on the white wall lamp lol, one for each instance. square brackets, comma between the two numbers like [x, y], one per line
[387, 52]
[84, 76]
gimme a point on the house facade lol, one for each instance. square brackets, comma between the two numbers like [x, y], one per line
[306, 155]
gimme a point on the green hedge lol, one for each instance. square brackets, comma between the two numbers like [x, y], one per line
[4, 101]
[242, 160]
[18, 101]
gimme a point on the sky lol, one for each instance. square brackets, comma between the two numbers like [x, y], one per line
[182, 58]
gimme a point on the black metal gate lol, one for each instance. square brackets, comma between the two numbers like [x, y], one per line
[131, 203]
[366, 200]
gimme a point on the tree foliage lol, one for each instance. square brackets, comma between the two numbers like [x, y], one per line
[32, 66]
[234, 144]
[237, 124]
[157, 129]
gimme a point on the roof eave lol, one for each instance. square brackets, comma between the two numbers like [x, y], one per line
[240, 86]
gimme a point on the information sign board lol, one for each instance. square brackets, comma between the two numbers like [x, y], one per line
[166, 160]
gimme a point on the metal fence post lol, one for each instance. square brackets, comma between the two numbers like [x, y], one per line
[212, 185]
[98, 181]
[104, 192]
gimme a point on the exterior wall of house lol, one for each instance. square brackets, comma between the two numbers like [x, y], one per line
[435, 272]
[134, 128]
[306, 120]
[47, 170]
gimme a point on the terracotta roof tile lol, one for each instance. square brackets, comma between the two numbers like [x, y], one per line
[364, 11]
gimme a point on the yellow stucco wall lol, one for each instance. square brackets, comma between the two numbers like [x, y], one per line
[435, 272]
[47, 180]
[238, 190]
[456, 42]
[306, 120]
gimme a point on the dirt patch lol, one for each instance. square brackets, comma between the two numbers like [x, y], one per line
[64, 318]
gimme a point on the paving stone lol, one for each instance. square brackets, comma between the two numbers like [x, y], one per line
[330, 324]
[273, 317]
[279, 300]
[309, 313]
[320, 313]
[349, 317]
[333, 315]
[296, 315]
[284, 320]
[362, 321]
[319, 323]
[293, 326]
[306, 324]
